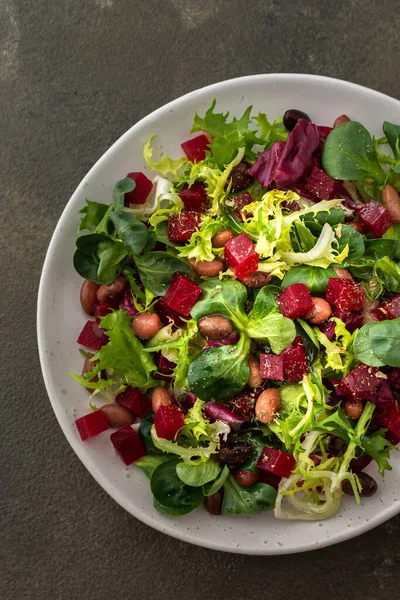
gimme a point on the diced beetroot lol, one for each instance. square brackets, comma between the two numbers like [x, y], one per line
[321, 185]
[196, 148]
[240, 256]
[390, 418]
[132, 399]
[128, 444]
[167, 314]
[168, 420]
[388, 310]
[295, 301]
[276, 462]
[101, 309]
[241, 201]
[353, 322]
[216, 411]
[383, 397]
[142, 190]
[344, 294]
[271, 367]
[324, 131]
[394, 379]
[182, 295]
[269, 478]
[92, 336]
[361, 382]
[375, 218]
[295, 360]
[392, 437]
[194, 197]
[182, 225]
[91, 424]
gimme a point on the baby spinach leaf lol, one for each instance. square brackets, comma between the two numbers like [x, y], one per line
[156, 270]
[145, 434]
[149, 463]
[105, 227]
[94, 212]
[132, 232]
[121, 188]
[198, 475]
[362, 347]
[257, 444]
[348, 236]
[225, 297]
[86, 265]
[212, 487]
[388, 273]
[220, 372]
[392, 133]
[333, 216]
[310, 341]
[304, 237]
[98, 257]
[384, 338]
[278, 330]
[252, 500]
[315, 278]
[168, 510]
[110, 253]
[381, 247]
[171, 493]
[265, 302]
[349, 154]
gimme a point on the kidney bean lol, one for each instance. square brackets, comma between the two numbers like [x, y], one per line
[256, 280]
[320, 312]
[213, 504]
[111, 290]
[391, 201]
[215, 327]
[353, 408]
[221, 238]
[117, 416]
[340, 120]
[267, 405]
[255, 379]
[146, 325]
[160, 397]
[207, 268]
[293, 115]
[240, 179]
[88, 295]
[368, 484]
[342, 273]
[235, 456]
[368, 307]
[245, 477]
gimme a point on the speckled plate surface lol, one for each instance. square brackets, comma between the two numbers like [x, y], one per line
[60, 317]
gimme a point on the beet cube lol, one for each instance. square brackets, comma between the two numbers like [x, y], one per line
[182, 295]
[196, 148]
[295, 301]
[353, 322]
[276, 461]
[344, 294]
[182, 225]
[295, 360]
[240, 256]
[92, 336]
[394, 378]
[321, 185]
[388, 310]
[92, 424]
[375, 218]
[271, 367]
[142, 190]
[241, 201]
[269, 478]
[167, 314]
[128, 444]
[361, 382]
[101, 309]
[168, 420]
[390, 418]
[194, 197]
[132, 399]
[324, 131]
[165, 369]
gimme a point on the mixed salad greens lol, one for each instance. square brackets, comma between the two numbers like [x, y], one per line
[246, 306]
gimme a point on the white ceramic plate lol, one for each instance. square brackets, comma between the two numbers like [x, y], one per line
[60, 317]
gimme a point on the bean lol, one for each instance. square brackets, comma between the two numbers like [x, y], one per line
[340, 120]
[111, 290]
[293, 115]
[342, 273]
[368, 484]
[391, 201]
[245, 477]
[367, 308]
[146, 325]
[117, 416]
[207, 268]
[255, 379]
[256, 280]
[267, 405]
[213, 504]
[353, 408]
[240, 179]
[320, 312]
[233, 457]
[88, 295]
[160, 397]
[221, 238]
[215, 327]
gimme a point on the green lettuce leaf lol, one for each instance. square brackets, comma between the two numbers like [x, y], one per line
[94, 212]
[165, 165]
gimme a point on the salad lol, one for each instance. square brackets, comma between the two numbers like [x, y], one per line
[244, 335]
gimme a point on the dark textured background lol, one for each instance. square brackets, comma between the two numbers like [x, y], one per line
[74, 75]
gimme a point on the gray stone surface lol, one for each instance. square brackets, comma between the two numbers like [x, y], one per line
[74, 75]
